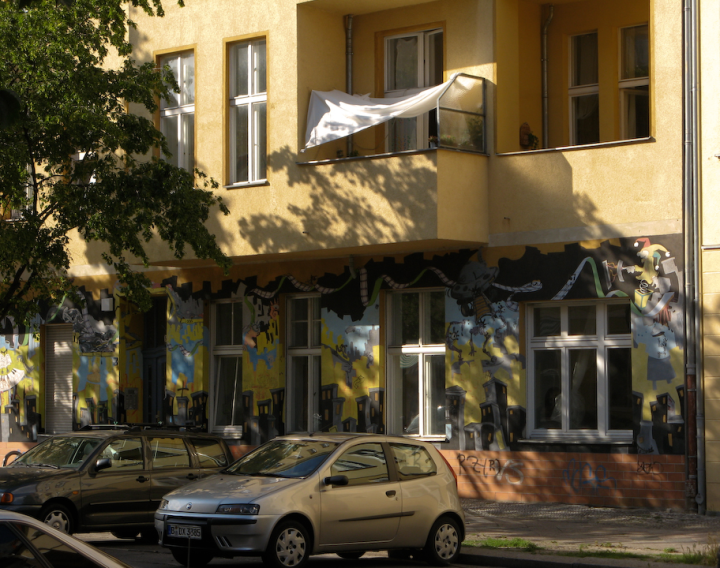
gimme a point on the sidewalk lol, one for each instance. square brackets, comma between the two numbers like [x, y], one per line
[557, 528]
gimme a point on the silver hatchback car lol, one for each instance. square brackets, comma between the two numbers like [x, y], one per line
[312, 494]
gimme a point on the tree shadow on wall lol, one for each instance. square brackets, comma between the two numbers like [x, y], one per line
[350, 203]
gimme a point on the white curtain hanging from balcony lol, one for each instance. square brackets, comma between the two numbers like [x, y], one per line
[334, 114]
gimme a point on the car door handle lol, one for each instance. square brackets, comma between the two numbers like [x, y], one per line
[390, 493]
[142, 479]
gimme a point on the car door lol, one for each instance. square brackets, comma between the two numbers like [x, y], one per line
[120, 494]
[171, 466]
[368, 508]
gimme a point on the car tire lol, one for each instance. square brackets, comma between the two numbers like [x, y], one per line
[350, 555]
[124, 534]
[289, 546]
[58, 517]
[443, 543]
[198, 558]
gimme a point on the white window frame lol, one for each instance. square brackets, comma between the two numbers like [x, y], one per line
[219, 352]
[252, 101]
[625, 86]
[313, 355]
[576, 91]
[423, 351]
[185, 146]
[424, 78]
[602, 342]
[19, 214]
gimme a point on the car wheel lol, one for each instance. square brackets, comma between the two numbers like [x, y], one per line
[443, 542]
[350, 555]
[289, 546]
[198, 559]
[124, 534]
[58, 517]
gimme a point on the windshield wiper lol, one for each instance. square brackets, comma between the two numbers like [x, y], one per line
[46, 465]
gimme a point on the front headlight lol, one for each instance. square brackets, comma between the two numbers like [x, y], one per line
[163, 504]
[240, 509]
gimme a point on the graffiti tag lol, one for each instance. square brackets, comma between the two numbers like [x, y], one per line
[649, 468]
[510, 470]
[580, 475]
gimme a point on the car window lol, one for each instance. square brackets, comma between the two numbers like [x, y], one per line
[364, 463]
[56, 552]
[412, 461]
[284, 458]
[125, 454]
[59, 451]
[209, 452]
[169, 452]
[13, 551]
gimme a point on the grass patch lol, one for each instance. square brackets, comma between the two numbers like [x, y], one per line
[516, 543]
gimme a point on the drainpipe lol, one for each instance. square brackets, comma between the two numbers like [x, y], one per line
[545, 126]
[349, 69]
[694, 384]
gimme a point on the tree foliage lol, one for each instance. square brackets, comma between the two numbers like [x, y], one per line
[74, 161]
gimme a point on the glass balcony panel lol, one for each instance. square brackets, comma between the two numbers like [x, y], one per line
[461, 130]
[466, 94]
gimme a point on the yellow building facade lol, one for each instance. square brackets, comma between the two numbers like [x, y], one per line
[504, 275]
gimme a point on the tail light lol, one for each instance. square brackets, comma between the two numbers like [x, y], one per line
[447, 463]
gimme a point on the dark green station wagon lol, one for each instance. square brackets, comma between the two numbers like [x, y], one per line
[108, 480]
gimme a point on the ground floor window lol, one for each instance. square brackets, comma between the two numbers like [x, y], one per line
[416, 363]
[579, 370]
[230, 408]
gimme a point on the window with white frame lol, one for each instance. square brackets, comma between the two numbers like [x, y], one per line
[248, 112]
[635, 82]
[416, 363]
[303, 364]
[413, 62]
[177, 112]
[583, 90]
[230, 409]
[580, 371]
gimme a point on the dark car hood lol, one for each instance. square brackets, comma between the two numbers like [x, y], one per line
[14, 476]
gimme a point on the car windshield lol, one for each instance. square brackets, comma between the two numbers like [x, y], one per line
[59, 451]
[284, 458]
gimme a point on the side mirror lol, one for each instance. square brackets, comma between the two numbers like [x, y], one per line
[336, 480]
[101, 464]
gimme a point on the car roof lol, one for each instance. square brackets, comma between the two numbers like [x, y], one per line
[107, 432]
[340, 437]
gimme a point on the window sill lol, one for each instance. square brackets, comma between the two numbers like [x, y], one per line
[609, 144]
[387, 155]
[620, 440]
[257, 183]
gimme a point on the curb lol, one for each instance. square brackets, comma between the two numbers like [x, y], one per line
[508, 559]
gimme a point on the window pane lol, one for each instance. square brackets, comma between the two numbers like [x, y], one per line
[412, 461]
[173, 98]
[619, 373]
[169, 129]
[169, 452]
[583, 389]
[435, 320]
[237, 315]
[299, 322]
[240, 61]
[635, 52]
[260, 118]
[316, 322]
[435, 58]
[636, 104]
[618, 319]
[546, 322]
[548, 389]
[260, 67]
[188, 135]
[435, 395]
[187, 85]
[402, 63]
[125, 454]
[298, 396]
[362, 464]
[209, 453]
[585, 60]
[581, 320]
[402, 134]
[223, 324]
[586, 119]
[406, 323]
[240, 114]
[406, 408]
[229, 389]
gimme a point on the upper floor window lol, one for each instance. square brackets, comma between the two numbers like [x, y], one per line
[635, 82]
[416, 363]
[177, 112]
[248, 112]
[412, 62]
[584, 89]
[580, 371]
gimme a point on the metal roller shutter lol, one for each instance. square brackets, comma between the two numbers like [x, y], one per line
[58, 379]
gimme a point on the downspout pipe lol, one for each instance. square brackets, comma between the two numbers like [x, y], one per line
[694, 383]
[545, 125]
[349, 69]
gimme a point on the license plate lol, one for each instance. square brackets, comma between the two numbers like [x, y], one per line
[184, 531]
